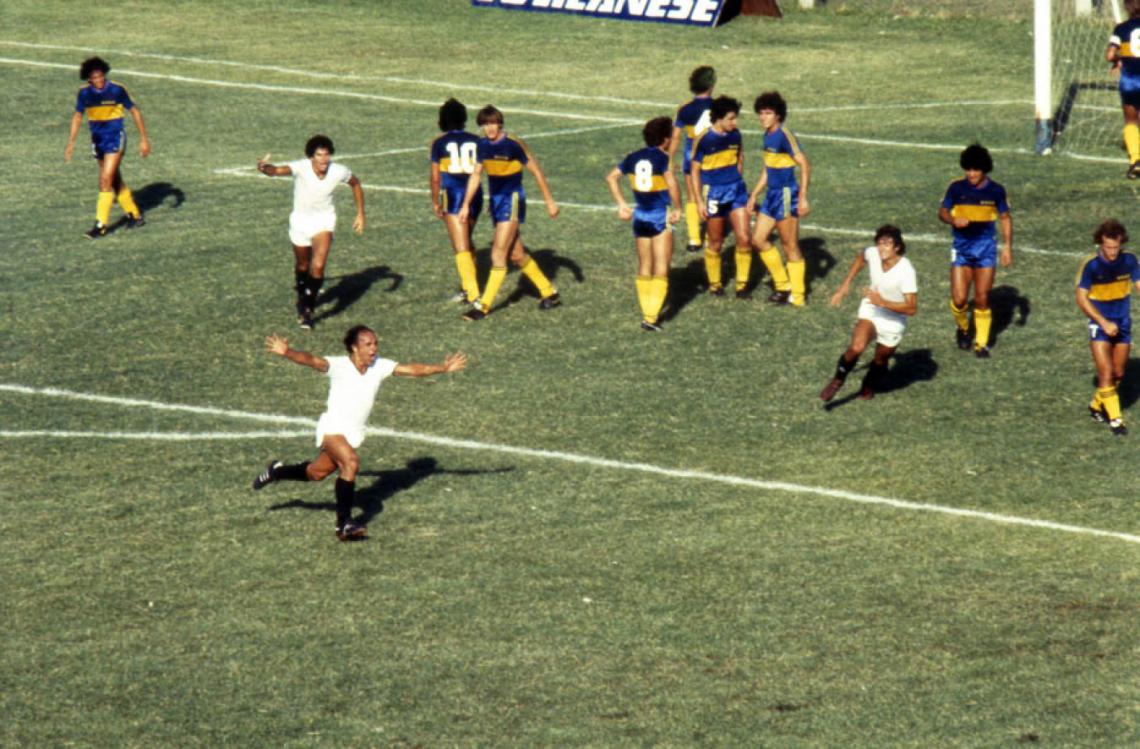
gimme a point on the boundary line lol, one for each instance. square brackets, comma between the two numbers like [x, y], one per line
[580, 459]
[149, 436]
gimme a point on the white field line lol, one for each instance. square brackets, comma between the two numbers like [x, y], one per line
[150, 436]
[452, 85]
[579, 459]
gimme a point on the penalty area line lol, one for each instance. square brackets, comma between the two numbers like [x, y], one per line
[150, 436]
[597, 462]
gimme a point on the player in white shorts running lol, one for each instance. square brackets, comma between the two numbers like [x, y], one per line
[353, 382]
[888, 301]
[313, 219]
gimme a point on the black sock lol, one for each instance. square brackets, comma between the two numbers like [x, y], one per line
[313, 290]
[844, 367]
[874, 377]
[295, 472]
[345, 491]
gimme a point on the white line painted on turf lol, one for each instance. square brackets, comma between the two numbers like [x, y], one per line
[151, 436]
[576, 458]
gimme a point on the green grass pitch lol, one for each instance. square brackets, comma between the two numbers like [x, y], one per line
[593, 536]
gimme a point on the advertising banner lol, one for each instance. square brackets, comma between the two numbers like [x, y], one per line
[689, 12]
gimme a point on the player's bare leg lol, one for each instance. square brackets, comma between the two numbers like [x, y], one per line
[715, 229]
[337, 453]
[789, 231]
[770, 256]
[743, 232]
[460, 235]
[961, 277]
[503, 242]
[983, 315]
[861, 336]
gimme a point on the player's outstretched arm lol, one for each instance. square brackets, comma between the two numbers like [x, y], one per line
[269, 170]
[451, 363]
[275, 344]
[845, 286]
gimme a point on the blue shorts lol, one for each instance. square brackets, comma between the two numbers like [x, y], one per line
[1129, 91]
[1096, 333]
[649, 223]
[781, 203]
[721, 200]
[453, 201]
[509, 206]
[106, 143]
[974, 253]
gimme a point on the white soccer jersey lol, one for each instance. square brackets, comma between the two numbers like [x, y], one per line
[311, 194]
[892, 285]
[351, 396]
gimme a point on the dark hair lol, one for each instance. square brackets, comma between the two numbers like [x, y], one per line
[90, 65]
[316, 143]
[452, 115]
[887, 230]
[702, 79]
[1132, 7]
[976, 157]
[722, 106]
[353, 334]
[1110, 228]
[488, 114]
[657, 131]
[771, 100]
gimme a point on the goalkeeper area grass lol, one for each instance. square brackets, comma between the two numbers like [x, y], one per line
[592, 536]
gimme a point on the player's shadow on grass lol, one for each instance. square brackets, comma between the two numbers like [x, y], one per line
[551, 264]
[151, 196]
[1009, 308]
[906, 369]
[371, 499]
[1129, 389]
[349, 289]
[686, 283]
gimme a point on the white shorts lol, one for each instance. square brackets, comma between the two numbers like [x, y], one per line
[354, 433]
[889, 326]
[304, 226]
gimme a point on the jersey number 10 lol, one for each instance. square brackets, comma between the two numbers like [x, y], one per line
[461, 160]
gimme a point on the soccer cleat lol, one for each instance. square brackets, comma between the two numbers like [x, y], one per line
[306, 319]
[96, 231]
[475, 313]
[962, 338]
[650, 327]
[459, 297]
[350, 531]
[135, 222]
[982, 352]
[743, 294]
[1098, 415]
[796, 300]
[830, 389]
[694, 248]
[268, 476]
[779, 297]
[1118, 428]
[717, 290]
[1134, 170]
[550, 302]
[866, 394]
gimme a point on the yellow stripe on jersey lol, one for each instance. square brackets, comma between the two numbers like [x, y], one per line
[657, 184]
[497, 168]
[445, 164]
[1126, 50]
[1111, 291]
[105, 112]
[779, 160]
[719, 160]
[975, 212]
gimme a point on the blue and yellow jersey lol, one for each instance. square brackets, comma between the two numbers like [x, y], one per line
[1126, 36]
[104, 107]
[1110, 284]
[780, 151]
[455, 151]
[693, 120]
[503, 160]
[646, 170]
[718, 154]
[981, 206]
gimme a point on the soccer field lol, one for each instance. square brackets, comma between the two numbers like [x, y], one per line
[592, 536]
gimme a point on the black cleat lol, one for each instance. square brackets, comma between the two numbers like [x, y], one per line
[96, 231]
[743, 294]
[962, 338]
[779, 297]
[694, 248]
[475, 313]
[650, 327]
[982, 352]
[1118, 428]
[306, 319]
[268, 476]
[135, 222]
[716, 290]
[350, 531]
[550, 302]
[830, 389]
[1098, 415]
[1134, 170]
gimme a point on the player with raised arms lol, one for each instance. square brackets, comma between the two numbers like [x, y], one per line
[104, 101]
[452, 163]
[1124, 53]
[353, 382]
[313, 219]
[1104, 287]
[657, 197]
[691, 121]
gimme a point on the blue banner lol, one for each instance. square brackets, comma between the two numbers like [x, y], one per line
[689, 12]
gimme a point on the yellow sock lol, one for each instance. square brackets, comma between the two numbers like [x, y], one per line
[1095, 404]
[103, 207]
[693, 223]
[712, 269]
[982, 320]
[961, 318]
[743, 266]
[1132, 142]
[796, 273]
[644, 295]
[127, 201]
[537, 277]
[659, 286]
[494, 281]
[465, 264]
[775, 266]
[1111, 402]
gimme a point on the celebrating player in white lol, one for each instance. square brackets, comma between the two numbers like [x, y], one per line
[353, 382]
[313, 219]
[886, 304]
